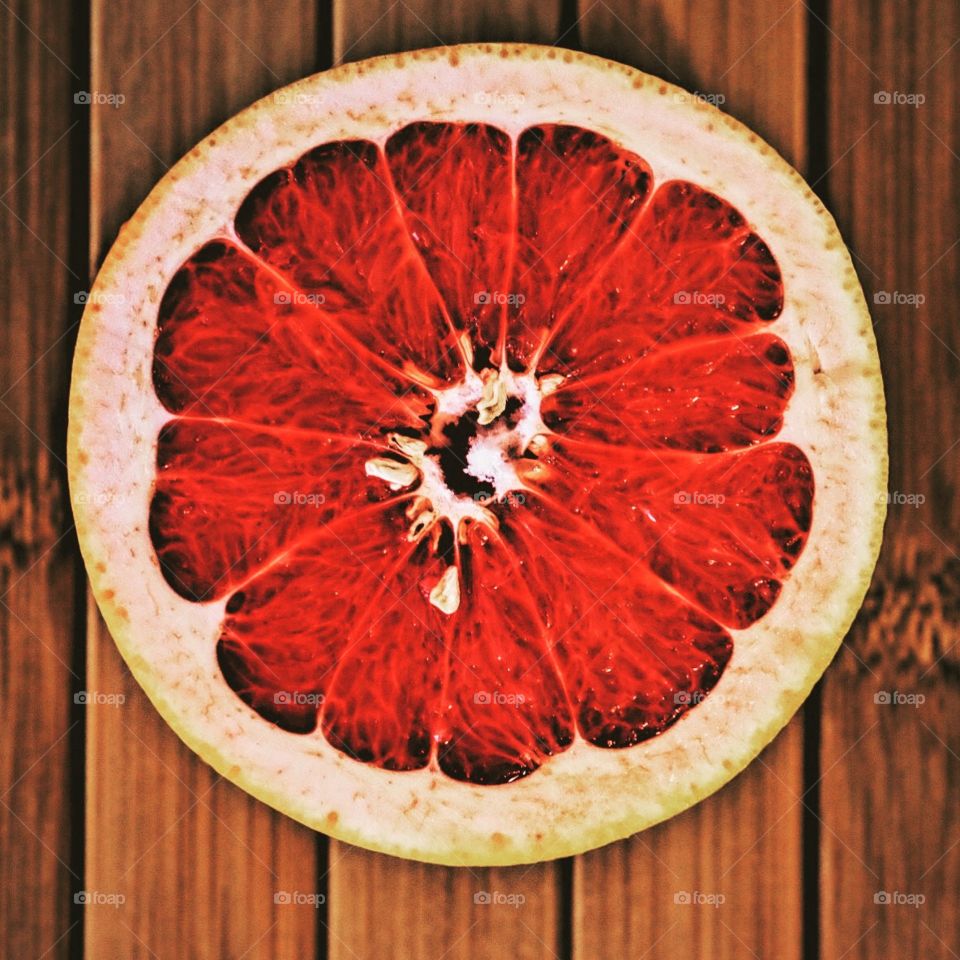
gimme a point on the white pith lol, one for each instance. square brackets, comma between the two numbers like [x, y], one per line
[487, 459]
[584, 796]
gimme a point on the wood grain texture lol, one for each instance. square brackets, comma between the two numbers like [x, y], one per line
[39, 573]
[890, 817]
[722, 880]
[198, 861]
[381, 906]
[385, 26]
[749, 58]
[744, 844]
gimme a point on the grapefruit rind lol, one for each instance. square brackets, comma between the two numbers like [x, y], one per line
[583, 797]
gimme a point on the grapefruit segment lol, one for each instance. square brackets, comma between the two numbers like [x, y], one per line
[635, 656]
[690, 266]
[330, 226]
[455, 185]
[235, 343]
[323, 664]
[722, 529]
[505, 709]
[383, 694]
[577, 193]
[732, 392]
[229, 498]
[755, 509]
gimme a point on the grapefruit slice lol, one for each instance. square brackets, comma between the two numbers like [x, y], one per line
[478, 453]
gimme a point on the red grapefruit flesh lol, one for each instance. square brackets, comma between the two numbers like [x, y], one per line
[485, 447]
[293, 352]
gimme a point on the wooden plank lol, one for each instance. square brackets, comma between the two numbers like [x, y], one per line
[384, 26]
[39, 570]
[747, 57]
[891, 822]
[384, 907]
[198, 861]
[381, 906]
[744, 843]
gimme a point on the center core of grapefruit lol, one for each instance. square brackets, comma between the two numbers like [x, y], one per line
[469, 461]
